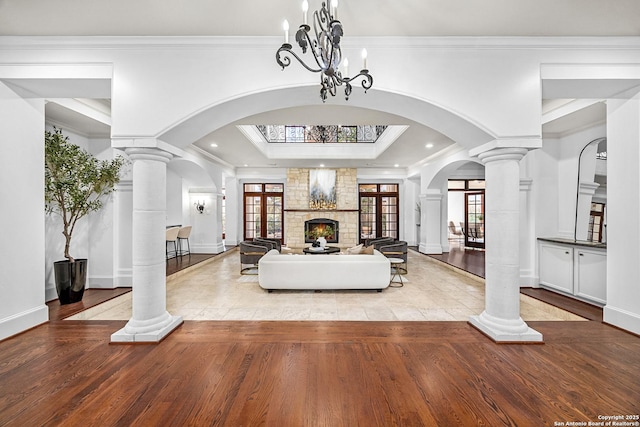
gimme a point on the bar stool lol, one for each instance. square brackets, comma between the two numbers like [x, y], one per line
[184, 234]
[172, 237]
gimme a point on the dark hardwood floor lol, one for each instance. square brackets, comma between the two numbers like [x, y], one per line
[317, 374]
[588, 311]
[91, 298]
[469, 260]
[180, 263]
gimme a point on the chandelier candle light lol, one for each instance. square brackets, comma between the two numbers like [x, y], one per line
[325, 49]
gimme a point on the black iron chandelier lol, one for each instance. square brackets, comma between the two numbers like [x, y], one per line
[325, 49]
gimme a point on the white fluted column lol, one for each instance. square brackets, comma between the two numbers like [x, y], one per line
[150, 321]
[501, 319]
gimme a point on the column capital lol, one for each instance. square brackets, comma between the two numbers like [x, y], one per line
[151, 143]
[148, 153]
[496, 154]
[588, 188]
[527, 143]
[432, 194]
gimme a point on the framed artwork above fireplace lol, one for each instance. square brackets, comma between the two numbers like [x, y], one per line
[322, 189]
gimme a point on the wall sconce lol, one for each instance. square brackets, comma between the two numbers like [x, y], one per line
[199, 206]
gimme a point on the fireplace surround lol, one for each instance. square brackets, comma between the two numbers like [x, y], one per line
[319, 224]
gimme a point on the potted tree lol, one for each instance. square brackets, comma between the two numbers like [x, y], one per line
[75, 182]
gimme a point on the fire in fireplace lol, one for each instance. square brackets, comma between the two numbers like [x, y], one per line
[327, 228]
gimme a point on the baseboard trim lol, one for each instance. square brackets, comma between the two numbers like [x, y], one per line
[622, 319]
[20, 322]
[207, 249]
[434, 249]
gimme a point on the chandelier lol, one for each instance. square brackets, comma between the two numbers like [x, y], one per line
[325, 50]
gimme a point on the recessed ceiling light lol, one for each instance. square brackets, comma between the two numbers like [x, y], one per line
[322, 165]
[396, 165]
[214, 145]
[429, 145]
[246, 165]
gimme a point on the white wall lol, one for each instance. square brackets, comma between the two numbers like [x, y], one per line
[554, 169]
[22, 195]
[456, 207]
[623, 231]
[174, 198]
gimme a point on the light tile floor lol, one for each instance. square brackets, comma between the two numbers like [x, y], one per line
[215, 290]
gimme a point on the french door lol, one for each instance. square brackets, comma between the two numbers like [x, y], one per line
[474, 220]
[263, 216]
[379, 213]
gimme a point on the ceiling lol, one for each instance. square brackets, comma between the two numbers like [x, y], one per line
[360, 17]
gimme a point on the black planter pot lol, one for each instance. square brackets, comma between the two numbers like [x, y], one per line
[70, 280]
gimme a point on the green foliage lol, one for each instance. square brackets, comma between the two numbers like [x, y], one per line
[75, 181]
[316, 232]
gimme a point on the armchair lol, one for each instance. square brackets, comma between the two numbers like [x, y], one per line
[397, 249]
[377, 240]
[250, 254]
[275, 242]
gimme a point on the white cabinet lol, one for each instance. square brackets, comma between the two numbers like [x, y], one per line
[556, 267]
[574, 269]
[590, 269]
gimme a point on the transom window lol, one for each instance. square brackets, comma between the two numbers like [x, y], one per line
[321, 133]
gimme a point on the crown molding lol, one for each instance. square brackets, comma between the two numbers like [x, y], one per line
[258, 42]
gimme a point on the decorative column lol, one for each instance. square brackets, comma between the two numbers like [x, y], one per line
[501, 319]
[431, 223]
[150, 321]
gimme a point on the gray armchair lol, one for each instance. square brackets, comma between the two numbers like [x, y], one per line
[397, 249]
[275, 242]
[250, 254]
[376, 241]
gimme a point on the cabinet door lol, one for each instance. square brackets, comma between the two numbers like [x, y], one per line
[591, 275]
[556, 267]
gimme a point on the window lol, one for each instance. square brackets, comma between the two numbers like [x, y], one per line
[321, 133]
[263, 215]
[596, 222]
[379, 213]
[472, 223]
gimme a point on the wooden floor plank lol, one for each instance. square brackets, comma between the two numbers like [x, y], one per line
[317, 373]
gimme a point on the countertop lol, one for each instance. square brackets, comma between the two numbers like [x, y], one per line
[583, 243]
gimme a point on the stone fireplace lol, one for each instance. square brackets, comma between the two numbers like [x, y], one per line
[320, 225]
[297, 211]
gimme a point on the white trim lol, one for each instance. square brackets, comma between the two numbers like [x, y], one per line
[20, 322]
[207, 248]
[431, 248]
[101, 282]
[622, 319]
[259, 42]
[528, 279]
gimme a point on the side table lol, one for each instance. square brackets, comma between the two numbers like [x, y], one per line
[395, 267]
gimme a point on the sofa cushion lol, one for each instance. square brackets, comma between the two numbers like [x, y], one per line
[355, 250]
[367, 251]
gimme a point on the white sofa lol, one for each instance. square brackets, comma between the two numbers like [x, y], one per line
[286, 271]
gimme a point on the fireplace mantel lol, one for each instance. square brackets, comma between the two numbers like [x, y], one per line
[321, 210]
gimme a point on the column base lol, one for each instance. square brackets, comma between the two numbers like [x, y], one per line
[505, 331]
[149, 333]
